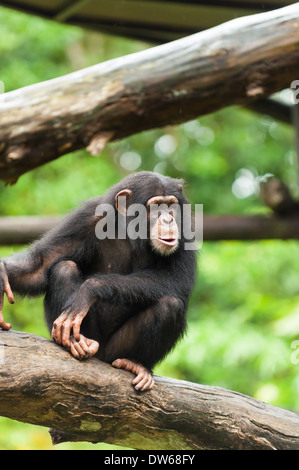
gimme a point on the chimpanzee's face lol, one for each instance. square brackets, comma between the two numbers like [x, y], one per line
[161, 198]
[163, 227]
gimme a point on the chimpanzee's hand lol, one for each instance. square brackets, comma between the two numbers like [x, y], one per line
[79, 346]
[84, 348]
[71, 318]
[4, 288]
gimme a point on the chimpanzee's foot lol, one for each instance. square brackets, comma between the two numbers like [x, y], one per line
[143, 380]
[84, 348]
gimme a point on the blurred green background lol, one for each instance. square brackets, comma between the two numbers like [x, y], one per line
[244, 313]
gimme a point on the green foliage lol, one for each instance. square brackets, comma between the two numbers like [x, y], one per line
[244, 313]
[240, 327]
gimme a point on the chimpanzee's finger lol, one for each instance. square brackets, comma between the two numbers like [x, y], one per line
[56, 329]
[139, 380]
[84, 346]
[54, 332]
[66, 331]
[3, 324]
[78, 347]
[9, 293]
[152, 383]
[77, 326]
[74, 351]
[93, 346]
[148, 383]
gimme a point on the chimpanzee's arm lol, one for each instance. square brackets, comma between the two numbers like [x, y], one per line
[71, 239]
[175, 277]
[141, 287]
[26, 273]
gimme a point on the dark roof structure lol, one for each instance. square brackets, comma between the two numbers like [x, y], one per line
[155, 21]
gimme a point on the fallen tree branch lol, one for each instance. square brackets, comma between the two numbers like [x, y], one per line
[232, 64]
[25, 229]
[42, 384]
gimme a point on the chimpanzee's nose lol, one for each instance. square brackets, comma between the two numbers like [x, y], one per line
[167, 218]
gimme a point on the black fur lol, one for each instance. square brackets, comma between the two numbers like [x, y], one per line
[141, 297]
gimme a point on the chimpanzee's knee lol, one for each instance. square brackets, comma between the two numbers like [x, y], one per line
[172, 311]
[66, 269]
[171, 303]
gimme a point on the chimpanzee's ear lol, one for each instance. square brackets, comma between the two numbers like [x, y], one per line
[121, 201]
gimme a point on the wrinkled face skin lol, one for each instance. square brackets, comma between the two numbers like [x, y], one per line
[164, 231]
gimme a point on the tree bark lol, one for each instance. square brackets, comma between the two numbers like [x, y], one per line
[232, 64]
[41, 383]
[25, 229]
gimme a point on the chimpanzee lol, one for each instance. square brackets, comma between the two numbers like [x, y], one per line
[121, 298]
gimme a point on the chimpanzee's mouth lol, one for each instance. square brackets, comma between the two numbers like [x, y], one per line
[168, 241]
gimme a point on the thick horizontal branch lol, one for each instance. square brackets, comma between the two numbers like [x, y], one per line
[24, 230]
[246, 228]
[40, 383]
[232, 64]
[21, 230]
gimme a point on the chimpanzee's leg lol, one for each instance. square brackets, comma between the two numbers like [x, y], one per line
[145, 339]
[63, 280]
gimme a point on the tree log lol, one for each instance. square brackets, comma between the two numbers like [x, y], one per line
[247, 228]
[232, 64]
[42, 384]
[21, 230]
[25, 229]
